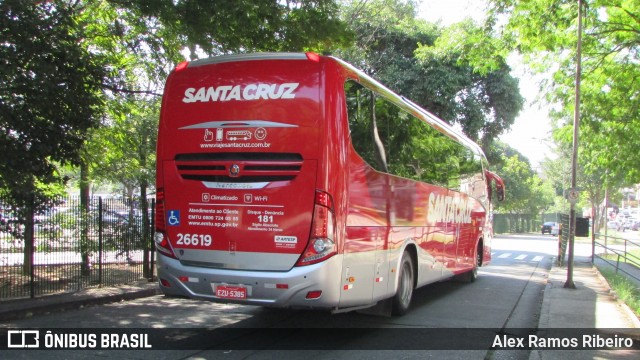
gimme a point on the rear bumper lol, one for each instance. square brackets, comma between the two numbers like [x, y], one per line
[262, 286]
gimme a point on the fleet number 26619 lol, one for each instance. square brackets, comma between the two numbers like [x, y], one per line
[194, 239]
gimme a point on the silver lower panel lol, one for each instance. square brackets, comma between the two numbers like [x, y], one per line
[198, 283]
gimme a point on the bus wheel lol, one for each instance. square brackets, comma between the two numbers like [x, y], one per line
[402, 299]
[471, 275]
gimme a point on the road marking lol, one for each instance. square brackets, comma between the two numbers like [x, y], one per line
[519, 257]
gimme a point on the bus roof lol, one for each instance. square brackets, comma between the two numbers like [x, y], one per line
[248, 57]
[365, 79]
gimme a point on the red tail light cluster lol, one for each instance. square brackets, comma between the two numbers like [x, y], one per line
[160, 237]
[321, 244]
[160, 224]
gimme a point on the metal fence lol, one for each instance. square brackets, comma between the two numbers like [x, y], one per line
[73, 244]
[622, 254]
[515, 223]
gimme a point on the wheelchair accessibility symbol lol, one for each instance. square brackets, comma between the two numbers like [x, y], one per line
[174, 217]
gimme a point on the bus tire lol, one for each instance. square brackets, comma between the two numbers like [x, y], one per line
[471, 275]
[402, 298]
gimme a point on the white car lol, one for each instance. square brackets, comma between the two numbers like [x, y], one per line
[615, 225]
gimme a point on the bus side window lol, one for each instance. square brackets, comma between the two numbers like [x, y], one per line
[394, 141]
[471, 178]
[363, 125]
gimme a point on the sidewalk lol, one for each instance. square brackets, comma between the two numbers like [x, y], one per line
[23, 308]
[591, 305]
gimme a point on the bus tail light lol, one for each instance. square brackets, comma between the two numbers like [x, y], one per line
[162, 244]
[160, 237]
[160, 224]
[321, 244]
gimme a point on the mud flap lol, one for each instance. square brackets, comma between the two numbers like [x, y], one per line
[382, 308]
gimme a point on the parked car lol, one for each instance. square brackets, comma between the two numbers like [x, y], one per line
[547, 227]
[8, 222]
[615, 225]
[4, 223]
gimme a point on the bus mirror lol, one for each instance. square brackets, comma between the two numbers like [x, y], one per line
[500, 190]
[499, 183]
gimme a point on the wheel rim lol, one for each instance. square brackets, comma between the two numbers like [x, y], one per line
[474, 273]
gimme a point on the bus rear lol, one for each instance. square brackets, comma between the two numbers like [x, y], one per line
[240, 217]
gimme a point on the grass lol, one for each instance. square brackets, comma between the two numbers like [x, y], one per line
[613, 237]
[626, 290]
[633, 257]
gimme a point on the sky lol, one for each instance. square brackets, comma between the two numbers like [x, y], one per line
[531, 132]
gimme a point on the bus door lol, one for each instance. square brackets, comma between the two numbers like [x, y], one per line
[450, 231]
[366, 227]
[463, 246]
[386, 234]
[430, 231]
[442, 231]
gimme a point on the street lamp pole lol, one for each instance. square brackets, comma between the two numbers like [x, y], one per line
[574, 156]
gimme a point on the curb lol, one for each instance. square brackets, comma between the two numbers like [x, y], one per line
[26, 308]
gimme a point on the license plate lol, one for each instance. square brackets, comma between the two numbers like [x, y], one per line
[231, 292]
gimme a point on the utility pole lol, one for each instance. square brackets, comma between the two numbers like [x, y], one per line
[573, 192]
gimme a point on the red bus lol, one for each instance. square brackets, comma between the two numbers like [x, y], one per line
[296, 180]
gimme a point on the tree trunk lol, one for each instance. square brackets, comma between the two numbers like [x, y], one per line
[29, 235]
[85, 248]
[146, 230]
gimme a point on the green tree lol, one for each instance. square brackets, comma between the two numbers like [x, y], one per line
[594, 179]
[527, 193]
[49, 99]
[545, 31]
[62, 60]
[220, 26]
[431, 66]
[124, 152]
[475, 88]
[49, 94]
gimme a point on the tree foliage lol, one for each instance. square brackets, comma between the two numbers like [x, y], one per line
[49, 94]
[546, 32]
[528, 194]
[220, 26]
[123, 152]
[63, 61]
[433, 67]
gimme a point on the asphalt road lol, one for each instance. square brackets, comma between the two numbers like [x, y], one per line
[507, 295]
